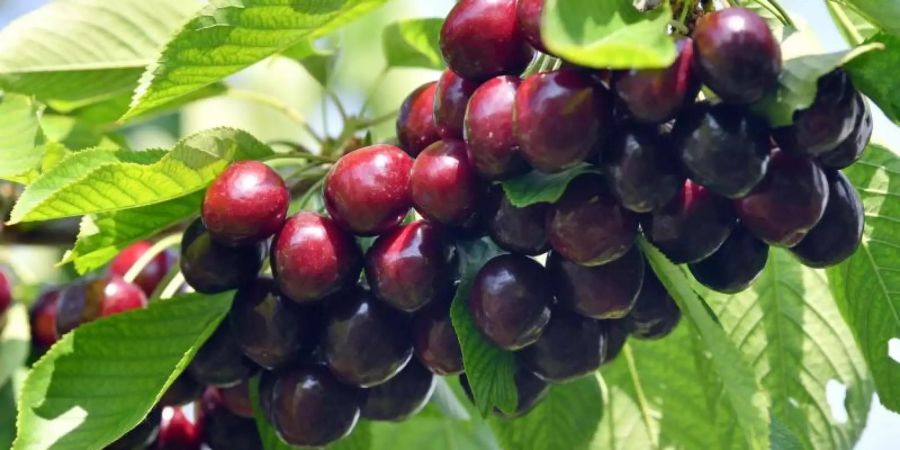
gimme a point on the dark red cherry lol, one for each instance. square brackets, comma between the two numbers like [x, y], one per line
[600, 292]
[310, 408]
[219, 362]
[480, 39]
[222, 429]
[559, 117]
[444, 185]
[518, 230]
[142, 436]
[489, 134]
[450, 100]
[237, 399]
[735, 265]
[788, 203]
[722, 147]
[366, 343]
[528, 13]
[43, 319]
[185, 389]
[177, 432]
[434, 340]
[530, 390]
[87, 300]
[5, 292]
[120, 296]
[655, 313]
[849, 151]
[152, 274]
[271, 330]
[657, 95]
[401, 397]
[510, 301]
[367, 190]
[692, 226]
[572, 346]
[210, 267]
[312, 258]
[409, 267]
[642, 169]
[416, 128]
[737, 55]
[616, 336]
[838, 234]
[588, 226]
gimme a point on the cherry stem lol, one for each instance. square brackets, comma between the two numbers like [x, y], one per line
[378, 120]
[375, 85]
[844, 23]
[173, 286]
[151, 253]
[639, 390]
[276, 104]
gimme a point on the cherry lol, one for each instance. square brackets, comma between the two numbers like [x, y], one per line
[401, 397]
[826, 123]
[87, 300]
[177, 432]
[657, 95]
[790, 201]
[510, 301]
[588, 226]
[310, 408]
[849, 151]
[120, 296]
[518, 230]
[435, 343]
[367, 190]
[210, 267]
[838, 234]
[366, 343]
[735, 265]
[450, 100]
[219, 362]
[246, 204]
[416, 128]
[600, 292]
[271, 330]
[480, 39]
[5, 293]
[692, 226]
[655, 313]
[530, 390]
[43, 319]
[641, 169]
[572, 346]
[222, 429]
[528, 14]
[616, 336]
[737, 55]
[152, 274]
[312, 258]
[722, 147]
[559, 117]
[444, 185]
[489, 129]
[409, 267]
[183, 390]
[141, 436]
[237, 399]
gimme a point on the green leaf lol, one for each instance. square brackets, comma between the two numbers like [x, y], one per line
[109, 111]
[781, 25]
[851, 25]
[7, 415]
[743, 396]
[566, 419]
[318, 62]
[15, 341]
[102, 379]
[413, 43]
[96, 181]
[608, 34]
[73, 52]
[21, 138]
[797, 85]
[868, 73]
[490, 369]
[884, 14]
[73, 133]
[230, 35]
[538, 187]
[867, 286]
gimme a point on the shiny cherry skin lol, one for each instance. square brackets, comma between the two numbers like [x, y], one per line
[87, 300]
[616, 337]
[737, 55]
[657, 95]
[518, 230]
[366, 343]
[510, 301]
[435, 342]
[120, 296]
[600, 292]
[222, 429]
[152, 274]
[416, 128]
[655, 313]
[838, 234]
[572, 346]
[312, 258]
[489, 134]
[480, 39]
[310, 408]
[367, 190]
[401, 397]
[43, 319]
[185, 389]
[851, 149]
[722, 147]
[641, 169]
[528, 14]
[588, 226]
[559, 118]
[788, 203]
[450, 100]
[237, 399]
[210, 267]
[5, 292]
[410, 266]
[271, 330]
[219, 362]
[735, 265]
[444, 185]
[530, 390]
[177, 432]
[692, 226]
[142, 436]
[246, 204]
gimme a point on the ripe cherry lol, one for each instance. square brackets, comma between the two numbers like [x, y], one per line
[184, 389]
[655, 313]
[434, 340]
[572, 346]
[177, 432]
[219, 362]
[480, 39]
[367, 190]
[600, 292]
[588, 226]
[222, 429]
[510, 301]
[210, 267]
[444, 185]
[838, 234]
[5, 293]
[401, 397]
[692, 226]
[43, 319]
[120, 296]
[737, 55]
[735, 265]
[312, 258]
[641, 169]
[616, 336]
[528, 14]
[657, 95]
[518, 230]
[530, 390]
[237, 399]
[416, 128]
[489, 134]
[87, 300]
[152, 274]
[450, 100]
[849, 151]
